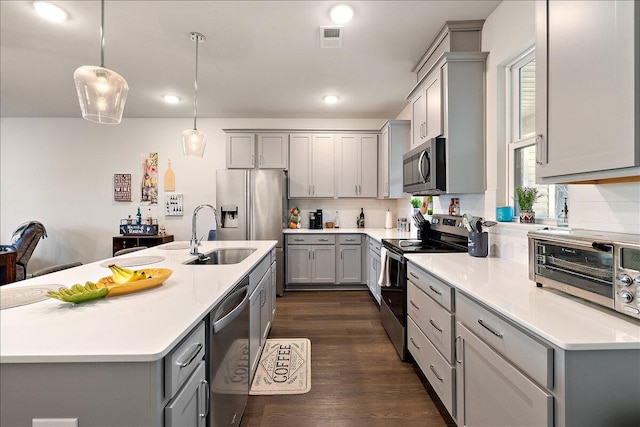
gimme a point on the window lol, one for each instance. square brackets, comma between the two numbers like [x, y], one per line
[521, 103]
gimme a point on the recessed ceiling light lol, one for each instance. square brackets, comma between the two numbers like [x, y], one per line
[50, 11]
[341, 13]
[171, 99]
[330, 99]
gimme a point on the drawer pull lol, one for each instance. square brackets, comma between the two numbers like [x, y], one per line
[414, 304]
[498, 334]
[350, 240]
[298, 240]
[195, 349]
[413, 275]
[323, 240]
[205, 404]
[435, 290]
[457, 351]
[435, 373]
[435, 326]
[414, 343]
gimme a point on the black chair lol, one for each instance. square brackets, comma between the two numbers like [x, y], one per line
[25, 239]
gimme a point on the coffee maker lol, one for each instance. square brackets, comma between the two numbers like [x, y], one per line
[315, 219]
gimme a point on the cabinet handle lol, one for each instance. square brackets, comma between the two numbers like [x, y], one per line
[313, 190]
[435, 326]
[414, 343]
[323, 240]
[414, 304]
[253, 160]
[414, 276]
[481, 322]
[435, 290]
[195, 349]
[456, 350]
[298, 240]
[206, 399]
[356, 189]
[260, 160]
[435, 373]
[539, 149]
[309, 254]
[350, 240]
[341, 253]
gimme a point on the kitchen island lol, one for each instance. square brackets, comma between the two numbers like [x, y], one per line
[102, 361]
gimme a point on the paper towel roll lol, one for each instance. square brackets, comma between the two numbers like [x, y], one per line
[388, 223]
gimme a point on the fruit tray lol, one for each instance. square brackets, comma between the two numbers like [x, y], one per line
[157, 277]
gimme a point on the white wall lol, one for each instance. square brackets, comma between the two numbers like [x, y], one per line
[60, 172]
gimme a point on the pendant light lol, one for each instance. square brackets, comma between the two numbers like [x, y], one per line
[101, 92]
[194, 141]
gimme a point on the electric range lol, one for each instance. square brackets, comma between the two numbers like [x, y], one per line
[443, 234]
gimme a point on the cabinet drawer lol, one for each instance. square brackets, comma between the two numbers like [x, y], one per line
[189, 406]
[311, 239]
[530, 355]
[436, 289]
[432, 319]
[350, 239]
[440, 374]
[374, 245]
[258, 273]
[183, 360]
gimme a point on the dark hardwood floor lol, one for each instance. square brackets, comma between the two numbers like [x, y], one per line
[357, 379]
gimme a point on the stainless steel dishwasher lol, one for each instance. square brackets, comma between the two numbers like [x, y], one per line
[229, 357]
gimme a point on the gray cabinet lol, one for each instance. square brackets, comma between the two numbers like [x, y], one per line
[349, 258]
[373, 268]
[357, 165]
[430, 332]
[311, 258]
[492, 392]
[311, 169]
[190, 406]
[587, 74]
[262, 150]
[395, 137]
[448, 101]
[261, 310]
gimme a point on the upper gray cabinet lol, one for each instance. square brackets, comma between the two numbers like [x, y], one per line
[261, 151]
[395, 136]
[357, 165]
[587, 88]
[448, 102]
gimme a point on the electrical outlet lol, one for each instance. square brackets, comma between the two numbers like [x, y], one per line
[54, 422]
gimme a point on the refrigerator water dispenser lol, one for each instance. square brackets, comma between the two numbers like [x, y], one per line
[229, 216]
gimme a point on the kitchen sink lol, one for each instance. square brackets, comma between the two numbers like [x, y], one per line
[223, 256]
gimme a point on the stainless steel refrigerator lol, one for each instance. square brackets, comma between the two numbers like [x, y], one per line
[253, 206]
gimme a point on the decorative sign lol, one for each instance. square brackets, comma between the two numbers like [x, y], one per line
[149, 187]
[122, 187]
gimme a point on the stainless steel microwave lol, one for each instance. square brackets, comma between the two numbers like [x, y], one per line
[600, 267]
[424, 169]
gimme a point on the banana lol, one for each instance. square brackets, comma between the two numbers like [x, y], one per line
[78, 289]
[121, 275]
[90, 286]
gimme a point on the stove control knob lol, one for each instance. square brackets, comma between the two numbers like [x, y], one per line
[625, 279]
[625, 296]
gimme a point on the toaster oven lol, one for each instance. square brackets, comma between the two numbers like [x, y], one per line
[600, 267]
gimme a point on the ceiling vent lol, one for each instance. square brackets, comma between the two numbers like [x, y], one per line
[331, 37]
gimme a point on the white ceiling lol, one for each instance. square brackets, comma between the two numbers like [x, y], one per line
[260, 59]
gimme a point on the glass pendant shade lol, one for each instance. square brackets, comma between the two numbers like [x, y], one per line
[193, 143]
[102, 94]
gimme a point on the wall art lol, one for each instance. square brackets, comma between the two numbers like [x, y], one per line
[149, 180]
[122, 187]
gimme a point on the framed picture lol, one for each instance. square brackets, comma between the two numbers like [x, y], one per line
[149, 187]
[122, 187]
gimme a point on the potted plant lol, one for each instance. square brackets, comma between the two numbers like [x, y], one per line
[527, 196]
[416, 203]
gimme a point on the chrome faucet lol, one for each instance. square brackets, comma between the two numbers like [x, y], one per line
[194, 242]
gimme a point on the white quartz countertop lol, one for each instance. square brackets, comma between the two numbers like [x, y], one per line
[504, 286]
[375, 233]
[137, 327]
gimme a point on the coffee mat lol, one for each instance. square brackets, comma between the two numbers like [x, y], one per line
[284, 367]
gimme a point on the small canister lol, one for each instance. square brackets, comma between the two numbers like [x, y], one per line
[478, 244]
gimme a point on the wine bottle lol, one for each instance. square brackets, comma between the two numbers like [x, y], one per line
[361, 222]
[139, 216]
[336, 222]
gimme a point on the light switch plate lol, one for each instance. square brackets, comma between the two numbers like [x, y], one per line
[54, 422]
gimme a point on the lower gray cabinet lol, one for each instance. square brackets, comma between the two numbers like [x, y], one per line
[190, 406]
[311, 258]
[349, 259]
[373, 268]
[260, 312]
[492, 392]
